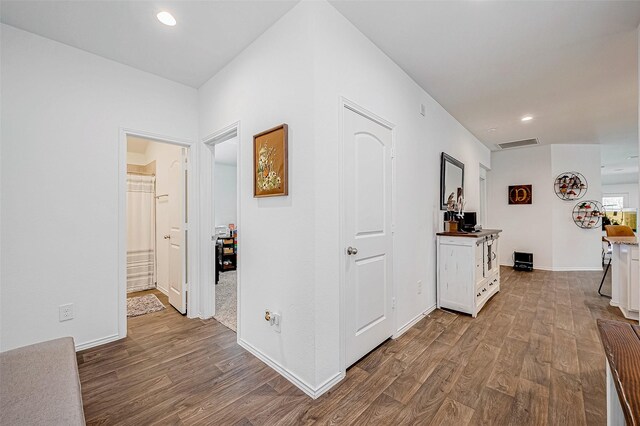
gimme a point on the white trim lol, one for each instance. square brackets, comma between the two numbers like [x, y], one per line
[207, 213]
[97, 342]
[576, 269]
[193, 289]
[413, 322]
[563, 268]
[294, 379]
[352, 106]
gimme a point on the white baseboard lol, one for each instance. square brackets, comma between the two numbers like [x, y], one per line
[297, 381]
[97, 342]
[162, 290]
[413, 322]
[564, 268]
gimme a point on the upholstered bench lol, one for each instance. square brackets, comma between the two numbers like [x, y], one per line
[39, 385]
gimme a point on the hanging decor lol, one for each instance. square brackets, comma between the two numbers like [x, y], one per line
[520, 194]
[270, 162]
[570, 186]
[587, 214]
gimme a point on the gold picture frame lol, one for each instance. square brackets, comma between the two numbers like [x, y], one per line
[271, 162]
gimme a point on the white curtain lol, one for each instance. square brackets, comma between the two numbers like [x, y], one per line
[140, 232]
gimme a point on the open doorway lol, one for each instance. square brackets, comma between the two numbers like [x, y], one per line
[156, 233]
[225, 221]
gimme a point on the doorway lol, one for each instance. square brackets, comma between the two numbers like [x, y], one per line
[225, 230]
[368, 239]
[155, 236]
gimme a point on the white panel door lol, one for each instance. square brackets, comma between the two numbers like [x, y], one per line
[368, 245]
[177, 183]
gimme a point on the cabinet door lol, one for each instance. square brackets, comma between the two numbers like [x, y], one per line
[495, 264]
[634, 286]
[480, 272]
[456, 275]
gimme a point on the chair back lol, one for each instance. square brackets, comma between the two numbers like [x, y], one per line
[619, 231]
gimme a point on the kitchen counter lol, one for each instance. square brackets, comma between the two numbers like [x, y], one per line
[629, 241]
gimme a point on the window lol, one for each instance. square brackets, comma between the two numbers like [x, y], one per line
[613, 202]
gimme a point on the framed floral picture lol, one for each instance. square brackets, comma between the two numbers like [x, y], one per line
[270, 162]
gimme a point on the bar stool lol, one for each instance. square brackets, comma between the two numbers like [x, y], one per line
[613, 231]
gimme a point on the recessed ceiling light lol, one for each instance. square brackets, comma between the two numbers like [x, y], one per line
[631, 157]
[166, 18]
[493, 129]
[526, 118]
[618, 170]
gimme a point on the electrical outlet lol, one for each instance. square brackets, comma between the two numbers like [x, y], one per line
[65, 312]
[419, 286]
[276, 320]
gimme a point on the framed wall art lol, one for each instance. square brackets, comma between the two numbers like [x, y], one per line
[520, 194]
[270, 162]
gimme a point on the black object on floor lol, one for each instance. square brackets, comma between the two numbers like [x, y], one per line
[523, 261]
[602, 282]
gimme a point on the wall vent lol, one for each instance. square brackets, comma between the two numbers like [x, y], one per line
[518, 144]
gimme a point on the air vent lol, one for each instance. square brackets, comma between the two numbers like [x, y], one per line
[518, 144]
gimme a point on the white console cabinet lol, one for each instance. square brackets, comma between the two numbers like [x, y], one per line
[468, 270]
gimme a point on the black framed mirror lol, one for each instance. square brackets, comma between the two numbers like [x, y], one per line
[451, 178]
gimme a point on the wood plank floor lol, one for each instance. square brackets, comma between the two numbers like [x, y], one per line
[532, 356]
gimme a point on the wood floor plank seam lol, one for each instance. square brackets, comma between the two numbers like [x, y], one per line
[532, 356]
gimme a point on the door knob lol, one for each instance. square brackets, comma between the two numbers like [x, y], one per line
[166, 237]
[352, 251]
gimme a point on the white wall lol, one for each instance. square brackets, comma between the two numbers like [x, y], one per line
[316, 56]
[225, 181]
[628, 190]
[62, 111]
[544, 228]
[525, 228]
[138, 158]
[348, 65]
[575, 248]
[276, 238]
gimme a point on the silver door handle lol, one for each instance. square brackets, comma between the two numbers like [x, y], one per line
[352, 251]
[166, 237]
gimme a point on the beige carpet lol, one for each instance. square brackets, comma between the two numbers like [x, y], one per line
[141, 305]
[226, 300]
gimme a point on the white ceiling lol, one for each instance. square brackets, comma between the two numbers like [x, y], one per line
[571, 65]
[207, 36]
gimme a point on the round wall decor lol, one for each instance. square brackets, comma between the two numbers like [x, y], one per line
[587, 214]
[570, 186]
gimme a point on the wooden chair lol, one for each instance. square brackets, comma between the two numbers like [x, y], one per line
[613, 231]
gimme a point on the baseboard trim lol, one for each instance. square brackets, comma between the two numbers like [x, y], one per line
[564, 268]
[413, 322]
[97, 342]
[297, 381]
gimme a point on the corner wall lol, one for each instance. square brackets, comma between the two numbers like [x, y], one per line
[545, 228]
[317, 57]
[62, 111]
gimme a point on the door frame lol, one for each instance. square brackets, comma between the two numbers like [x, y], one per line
[208, 225]
[358, 109]
[191, 227]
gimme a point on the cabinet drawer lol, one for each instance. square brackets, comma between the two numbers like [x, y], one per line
[493, 281]
[482, 293]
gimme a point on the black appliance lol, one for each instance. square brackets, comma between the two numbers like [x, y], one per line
[468, 222]
[523, 261]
